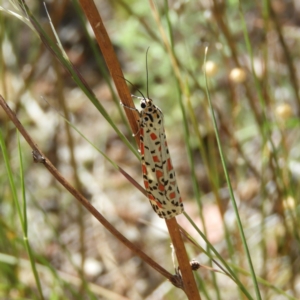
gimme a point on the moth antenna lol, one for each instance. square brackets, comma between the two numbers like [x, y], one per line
[133, 86]
[147, 72]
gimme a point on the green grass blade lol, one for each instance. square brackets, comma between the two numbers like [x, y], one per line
[211, 247]
[232, 198]
[25, 225]
[10, 177]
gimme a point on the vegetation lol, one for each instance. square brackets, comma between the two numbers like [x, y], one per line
[225, 76]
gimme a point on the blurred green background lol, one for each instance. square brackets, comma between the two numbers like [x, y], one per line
[252, 70]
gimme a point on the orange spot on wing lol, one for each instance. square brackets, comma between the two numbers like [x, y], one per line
[151, 198]
[153, 136]
[142, 148]
[155, 158]
[161, 187]
[172, 195]
[170, 167]
[146, 184]
[159, 174]
[144, 169]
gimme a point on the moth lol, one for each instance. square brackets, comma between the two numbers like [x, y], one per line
[158, 172]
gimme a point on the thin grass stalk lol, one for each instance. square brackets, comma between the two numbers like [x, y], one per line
[152, 34]
[11, 179]
[265, 283]
[234, 54]
[214, 186]
[237, 144]
[225, 264]
[202, 286]
[266, 130]
[88, 286]
[278, 176]
[169, 24]
[195, 183]
[22, 216]
[209, 254]
[25, 224]
[268, 12]
[2, 64]
[73, 163]
[240, 226]
[288, 56]
[231, 266]
[263, 210]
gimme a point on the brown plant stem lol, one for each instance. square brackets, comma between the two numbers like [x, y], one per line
[189, 283]
[90, 10]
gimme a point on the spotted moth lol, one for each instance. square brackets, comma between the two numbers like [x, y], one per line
[158, 172]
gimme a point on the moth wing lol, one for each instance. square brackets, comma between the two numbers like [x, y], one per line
[159, 175]
[173, 199]
[153, 170]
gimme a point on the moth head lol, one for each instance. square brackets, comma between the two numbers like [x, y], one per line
[146, 102]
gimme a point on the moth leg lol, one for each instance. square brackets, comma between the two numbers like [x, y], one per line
[131, 108]
[135, 134]
[141, 98]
